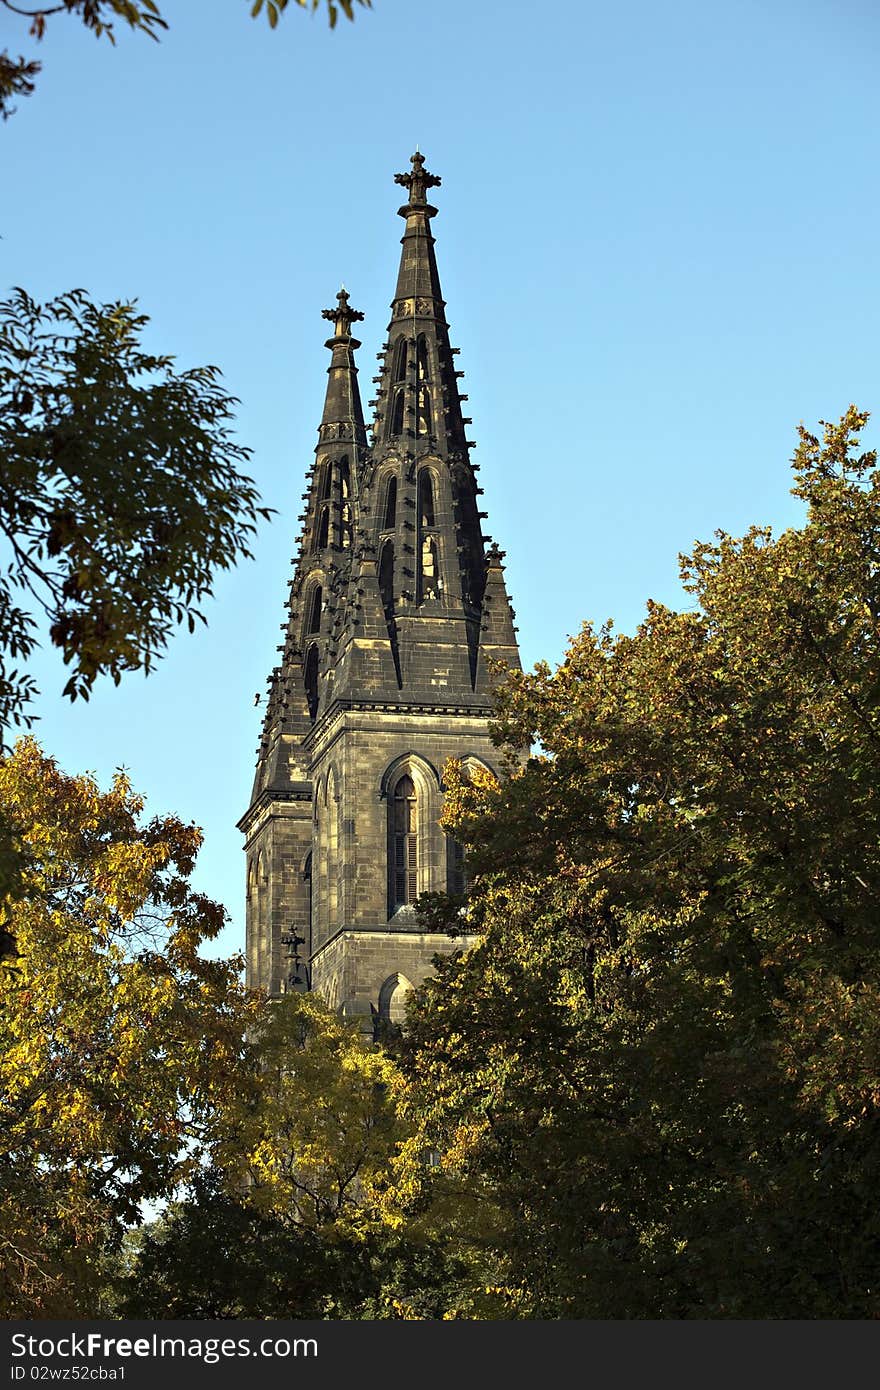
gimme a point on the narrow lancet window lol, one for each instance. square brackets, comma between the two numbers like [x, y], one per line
[422, 358]
[426, 499]
[397, 413]
[404, 843]
[324, 529]
[310, 678]
[313, 609]
[386, 577]
[423, 416]
[307, 879]
[345, 505]
[390, 515]
[400, 360]
[429, 577]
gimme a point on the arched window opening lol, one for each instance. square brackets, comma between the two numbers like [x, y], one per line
[429, 570]
[423, 414]
[313, 610]
[345, 504]
[324, 529]
[386, 576]
[326, 481]
[404, 843]
[422, 358]
[397, 413]
[390, 516]
[392, 999]
[310, 677]
[426, 499]
[400, 360]
[307, 879]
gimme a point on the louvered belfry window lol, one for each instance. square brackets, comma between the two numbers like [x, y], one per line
[405, 843]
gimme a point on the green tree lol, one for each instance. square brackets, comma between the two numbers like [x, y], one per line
[121, 1047]
[292, 1220]
[216, 1255]
[134, 1070]
[655, 1080]
[120, 494]
[17, 75]
[314, 1137]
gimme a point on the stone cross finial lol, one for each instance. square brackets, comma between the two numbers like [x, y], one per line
[418, 180]
[342, 316]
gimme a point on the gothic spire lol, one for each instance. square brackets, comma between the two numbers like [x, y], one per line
[418, 401]
[430, 564]
[318, 590]
[343, 416]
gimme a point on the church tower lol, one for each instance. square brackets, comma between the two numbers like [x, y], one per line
[397, 607]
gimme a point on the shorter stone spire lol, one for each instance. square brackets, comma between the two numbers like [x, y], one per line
[343, 414]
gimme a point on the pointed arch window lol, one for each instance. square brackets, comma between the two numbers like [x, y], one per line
[401, 359]
[429, 584]
[426, 499]
[404, 843]
[307, 880]
[392, 999]
[386, 576]
[429, 576]
[313, 609]
[397, 412]
[345, 505]
[422, 358]
[389, 516]
[323, 529]
[326, 481]
[423, 414]
[310, 678]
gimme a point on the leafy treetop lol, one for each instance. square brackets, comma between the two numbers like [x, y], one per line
[120, 492]
[653, 1086]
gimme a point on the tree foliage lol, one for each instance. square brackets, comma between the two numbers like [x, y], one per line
[289, 1221]
[134, 1070]
[215, 1255]
[218, 1255]
[121, 1047]
[656, 1079]
[120, 493]
[313, 1138]
[17, 76]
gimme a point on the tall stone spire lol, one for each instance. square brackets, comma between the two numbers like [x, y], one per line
[430, 561]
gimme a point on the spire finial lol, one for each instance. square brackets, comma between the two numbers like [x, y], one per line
[342, 316]
[417, 181]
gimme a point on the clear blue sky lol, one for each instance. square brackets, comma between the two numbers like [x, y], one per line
[658, 245]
